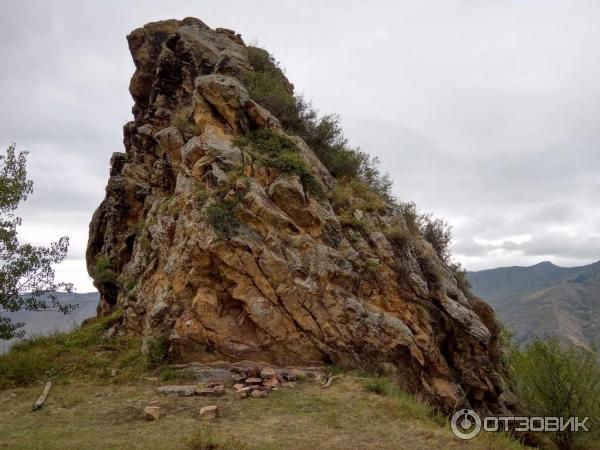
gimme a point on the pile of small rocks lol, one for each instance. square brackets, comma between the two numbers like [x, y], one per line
[246, 382]
[257, 383]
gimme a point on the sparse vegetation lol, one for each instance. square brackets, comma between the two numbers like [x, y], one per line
[397, 235]
[182, 120]
[378, 385]
[206, 439]
[357, 173]
[86, 353]
[222, 219]
[102, 270]
[201, 197]
[305, 417]
[278, 151]
[157, 350]
[461, 277]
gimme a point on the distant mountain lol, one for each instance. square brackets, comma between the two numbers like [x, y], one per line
[544, 299]
[45, 322]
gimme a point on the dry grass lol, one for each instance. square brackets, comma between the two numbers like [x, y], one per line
[345, 416]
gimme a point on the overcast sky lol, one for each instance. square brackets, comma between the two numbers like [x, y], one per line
[486, 113]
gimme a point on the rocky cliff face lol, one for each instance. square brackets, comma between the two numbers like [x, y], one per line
[201, 241]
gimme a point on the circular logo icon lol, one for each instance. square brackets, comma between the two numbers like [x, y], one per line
[465, 424]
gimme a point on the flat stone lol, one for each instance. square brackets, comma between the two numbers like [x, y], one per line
[253, 381]
[216, 391]
[151, 413]
[237, 386]
[177, 390]
[271, 382]
[209, 412]
[238, 376]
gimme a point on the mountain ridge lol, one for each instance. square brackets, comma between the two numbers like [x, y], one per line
[544, 300]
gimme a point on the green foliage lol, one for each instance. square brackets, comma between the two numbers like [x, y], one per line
[269, 87]
[461, 277]
[559, 382]
[26, 271]
[222, 219]
[398, 236]
[280, 152]
[323, 134]
[157, 350]
[435, 231]
[206, 439]
[438, 233]
[102, 270]
[84, 353]
[380, 386]
[201, 197]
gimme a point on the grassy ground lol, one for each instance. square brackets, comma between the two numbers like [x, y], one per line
[89, 408]
[345, 416]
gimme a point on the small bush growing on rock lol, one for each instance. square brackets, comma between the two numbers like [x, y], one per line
[201, 197]
[280, 152]
[438, 233]
[182, 120]
[269, 87]
[397, 236]
[461, 277]
[222, 219]
[102, 270]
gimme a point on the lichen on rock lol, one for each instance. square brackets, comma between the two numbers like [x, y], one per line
[233, 254]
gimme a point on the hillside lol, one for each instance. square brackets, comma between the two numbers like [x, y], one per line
[39, 323]
[544, 299]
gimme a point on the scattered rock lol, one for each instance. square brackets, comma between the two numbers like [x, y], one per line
[216, 391]
[267, 373]
[271, 382]
[238, 376]
[209, 412]
[113, 372]
[151, 412]
[259, 394]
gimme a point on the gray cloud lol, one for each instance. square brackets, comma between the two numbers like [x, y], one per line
[484, 113]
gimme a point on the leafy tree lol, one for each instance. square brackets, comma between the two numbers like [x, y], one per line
[26, 273]
[555, 381]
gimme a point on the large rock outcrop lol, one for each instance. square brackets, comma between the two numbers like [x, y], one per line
[293, 284]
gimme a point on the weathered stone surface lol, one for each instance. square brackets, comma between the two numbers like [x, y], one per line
[216, 391]
[295, 286]
[152, 413]
[209, 412]
[180, 391]
[259, 394]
